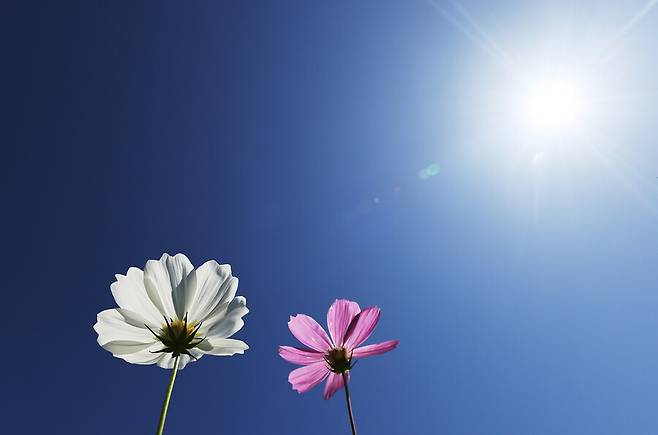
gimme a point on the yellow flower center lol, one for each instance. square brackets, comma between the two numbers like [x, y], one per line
[178, 328]
[178, 336]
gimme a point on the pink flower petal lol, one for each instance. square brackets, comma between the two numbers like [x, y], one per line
[300, 356]
[309, 332]
[361, 327]
[334, 383]
[375, 349]
[307, 377]
[339, 317]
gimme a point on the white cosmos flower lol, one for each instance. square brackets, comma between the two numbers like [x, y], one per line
[191, 311]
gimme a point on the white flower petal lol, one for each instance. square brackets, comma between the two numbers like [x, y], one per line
[222, 346]
[184, 294]
[178, 268]
[184, 361]
[122, 325]
[166, 361]
[161, 279]
[122, 347]
[132, 318]
[228, 324]
[215, 288]
[144, 357]
[129, 293]
[165, 309]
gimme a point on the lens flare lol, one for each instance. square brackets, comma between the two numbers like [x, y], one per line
[429, 171]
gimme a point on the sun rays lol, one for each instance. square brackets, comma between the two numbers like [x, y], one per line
[555, 104]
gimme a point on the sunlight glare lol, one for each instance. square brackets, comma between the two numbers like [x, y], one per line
[553, 105]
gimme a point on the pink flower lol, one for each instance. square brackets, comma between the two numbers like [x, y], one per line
[329, 357]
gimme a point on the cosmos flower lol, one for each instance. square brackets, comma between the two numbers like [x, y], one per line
[172, 313]
[332, 356]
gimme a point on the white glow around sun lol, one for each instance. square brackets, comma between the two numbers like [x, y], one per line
[553, 105]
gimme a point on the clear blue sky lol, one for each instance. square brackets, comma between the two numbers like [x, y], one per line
[286, 138]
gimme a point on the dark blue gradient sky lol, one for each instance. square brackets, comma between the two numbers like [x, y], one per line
[286, 138]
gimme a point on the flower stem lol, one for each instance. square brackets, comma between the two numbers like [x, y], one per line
[165, 405]
[349, 403]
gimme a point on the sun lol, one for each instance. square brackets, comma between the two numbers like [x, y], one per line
[553, 105]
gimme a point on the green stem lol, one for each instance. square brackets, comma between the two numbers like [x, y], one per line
[349, 403]
[165, 405]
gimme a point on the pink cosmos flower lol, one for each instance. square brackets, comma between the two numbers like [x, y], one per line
[332, 356]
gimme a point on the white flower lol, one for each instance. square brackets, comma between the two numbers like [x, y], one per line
[171, 309]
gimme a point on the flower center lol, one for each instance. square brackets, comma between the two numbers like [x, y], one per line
[178, 328]
[338, 360]
[178, 336]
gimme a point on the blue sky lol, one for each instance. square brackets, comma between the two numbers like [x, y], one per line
[287, 139]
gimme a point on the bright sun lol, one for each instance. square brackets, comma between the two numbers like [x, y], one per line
[553, 105]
